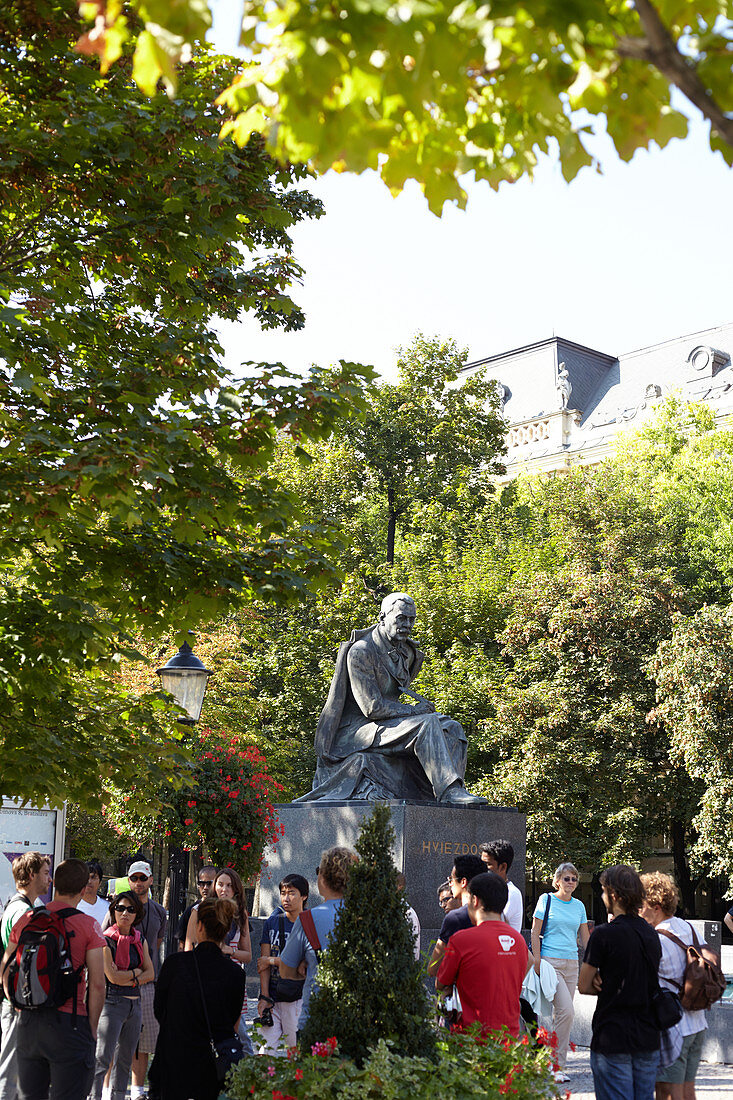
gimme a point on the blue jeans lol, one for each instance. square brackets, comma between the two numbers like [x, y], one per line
[624, 1076]
[244, 1036]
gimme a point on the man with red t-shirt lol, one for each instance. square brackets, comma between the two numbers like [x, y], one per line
[55, 1051]
[486, 963]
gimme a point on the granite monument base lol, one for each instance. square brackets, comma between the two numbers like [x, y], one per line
[428, 837]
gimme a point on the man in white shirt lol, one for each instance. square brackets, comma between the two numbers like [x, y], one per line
[91, 903]
[498, 855]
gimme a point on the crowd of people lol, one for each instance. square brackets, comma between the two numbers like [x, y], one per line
[117, 1005]
[126, 1005]
[643, 1046]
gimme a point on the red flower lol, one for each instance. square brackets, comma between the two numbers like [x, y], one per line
[191, 803]
[188, 821]
[299, 1075]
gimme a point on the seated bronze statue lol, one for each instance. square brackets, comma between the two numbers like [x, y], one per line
[372, 746]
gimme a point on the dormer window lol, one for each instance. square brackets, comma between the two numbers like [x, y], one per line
[706, 360]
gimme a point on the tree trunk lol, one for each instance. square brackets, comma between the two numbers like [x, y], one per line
[599, 914]
[391, 525]
[685, 881]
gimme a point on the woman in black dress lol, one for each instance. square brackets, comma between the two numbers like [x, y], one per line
[183, 1067]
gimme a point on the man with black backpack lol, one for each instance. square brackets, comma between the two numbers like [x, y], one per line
[32, 877]
[53, 974]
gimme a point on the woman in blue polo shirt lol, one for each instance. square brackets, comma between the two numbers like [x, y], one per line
[566, 920]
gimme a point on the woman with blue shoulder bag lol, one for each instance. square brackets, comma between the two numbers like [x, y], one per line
[558, 920]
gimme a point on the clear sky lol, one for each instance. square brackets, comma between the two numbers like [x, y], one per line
[616, 261]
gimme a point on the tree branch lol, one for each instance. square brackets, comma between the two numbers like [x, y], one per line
[659, 49]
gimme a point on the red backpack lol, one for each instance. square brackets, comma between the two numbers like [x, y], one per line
[41, 973]
[703, 982]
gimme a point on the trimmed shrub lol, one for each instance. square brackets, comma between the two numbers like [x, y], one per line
[370, 986]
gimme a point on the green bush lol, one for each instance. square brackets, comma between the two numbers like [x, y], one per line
[466, 1067]
[370, 985]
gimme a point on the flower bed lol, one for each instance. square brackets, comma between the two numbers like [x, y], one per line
[467, 1066]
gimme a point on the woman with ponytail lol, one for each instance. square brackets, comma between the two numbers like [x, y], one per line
[198, 993]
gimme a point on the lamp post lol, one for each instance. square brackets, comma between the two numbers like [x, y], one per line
[185, 678]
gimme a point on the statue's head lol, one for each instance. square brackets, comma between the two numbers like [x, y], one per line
[397, 616]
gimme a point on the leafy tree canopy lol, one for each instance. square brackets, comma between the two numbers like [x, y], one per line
[694, 674]
[421, 438]
[540, 609]
[134, 495]
[430, 90]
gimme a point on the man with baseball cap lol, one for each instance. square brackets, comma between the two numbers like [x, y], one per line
[152, 928]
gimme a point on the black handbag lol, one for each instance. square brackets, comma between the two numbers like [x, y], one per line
[225, 1052]
[287, 990]
[666, 1009]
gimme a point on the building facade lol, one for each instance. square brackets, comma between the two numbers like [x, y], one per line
[566, 404]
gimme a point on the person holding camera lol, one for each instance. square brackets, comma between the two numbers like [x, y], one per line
[280, 998]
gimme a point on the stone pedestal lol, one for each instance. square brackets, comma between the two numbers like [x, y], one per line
[428, 837]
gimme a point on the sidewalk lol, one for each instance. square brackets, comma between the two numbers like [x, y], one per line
[714, 1081]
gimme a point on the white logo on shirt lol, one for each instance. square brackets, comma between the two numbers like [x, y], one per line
[507, 942]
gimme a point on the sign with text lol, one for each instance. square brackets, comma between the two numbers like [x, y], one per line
[449, 848]
[27, 829]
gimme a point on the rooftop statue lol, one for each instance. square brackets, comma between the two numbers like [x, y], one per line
[372, 746]
[564, 386]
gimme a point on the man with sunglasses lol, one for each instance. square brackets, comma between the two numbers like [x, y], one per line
[205, 882]
[463, 870]
[152, 928]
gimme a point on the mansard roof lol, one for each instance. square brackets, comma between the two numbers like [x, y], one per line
[566, 403]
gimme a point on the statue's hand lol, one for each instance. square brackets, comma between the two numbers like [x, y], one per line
[424, 708]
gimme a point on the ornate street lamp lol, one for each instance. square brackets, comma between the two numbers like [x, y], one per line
[185, 677]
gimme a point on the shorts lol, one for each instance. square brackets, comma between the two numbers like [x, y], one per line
[686, 1065]
[285, 1015]
[151, 1027]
